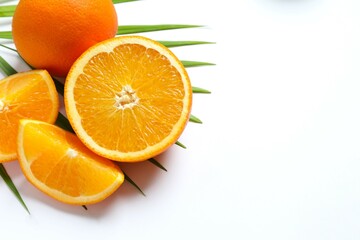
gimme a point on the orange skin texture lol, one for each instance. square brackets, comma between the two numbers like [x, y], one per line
[52, 34]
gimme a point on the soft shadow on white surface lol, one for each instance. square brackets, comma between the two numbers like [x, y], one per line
[143, 173]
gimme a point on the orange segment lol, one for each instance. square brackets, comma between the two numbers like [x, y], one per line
[128, 98]
[24, 95]
[62, 167]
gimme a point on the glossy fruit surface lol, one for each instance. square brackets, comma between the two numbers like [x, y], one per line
[51, 34]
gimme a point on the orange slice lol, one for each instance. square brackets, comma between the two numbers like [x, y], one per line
[62, 167]
[128, 98]
[24, 95]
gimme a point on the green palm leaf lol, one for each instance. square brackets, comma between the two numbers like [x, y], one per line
[199, 90]
[171, 44]
[7, 11]
[3, 1]
[156, 163]
[180, 144]
[130, 29]
[123, 1]
[5, 176]
[59, 86]
[8, 70]
[6, 35]
[194, 119]
[62, 121]
[9, 48]
[188, 64]
[127, 178]
[5, 66]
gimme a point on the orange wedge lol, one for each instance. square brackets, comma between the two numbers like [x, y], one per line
[57, 163]
[128, 98]
[24, 95]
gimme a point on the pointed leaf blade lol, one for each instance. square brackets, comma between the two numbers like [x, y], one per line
[5, 66]
[127, 178]
[7, 11]
[195, 119]
[5, 176]
[6, 35]
[199, 90]
[188, 64]
[156, 163]
[123, 1]
[63, 122]
[3, 1]
[59, 87]
[171, 44]
[180, 144]
[9, 48]
[129, 29]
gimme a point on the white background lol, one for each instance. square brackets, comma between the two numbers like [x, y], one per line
[278, 154]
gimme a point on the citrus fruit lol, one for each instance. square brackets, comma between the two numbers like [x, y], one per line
[128, 98]
[62, 167]
[52, 34]
[24, 95]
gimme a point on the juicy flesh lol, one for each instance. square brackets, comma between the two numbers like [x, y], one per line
[22, 97]
[63, 163]
[135, 89]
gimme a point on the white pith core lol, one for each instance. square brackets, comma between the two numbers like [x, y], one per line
[72, 153]
[117, 99]
[127, 98]
[3, 106]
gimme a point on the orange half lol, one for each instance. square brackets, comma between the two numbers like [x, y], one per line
[128, 98]
[29, 94]
[57, 163]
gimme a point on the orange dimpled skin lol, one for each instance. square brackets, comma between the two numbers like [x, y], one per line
[51, 34]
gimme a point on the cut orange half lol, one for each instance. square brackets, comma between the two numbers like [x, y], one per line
[128, 98]
[57, 163]
[24, 95]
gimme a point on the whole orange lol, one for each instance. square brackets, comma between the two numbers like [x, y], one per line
[52, 34]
